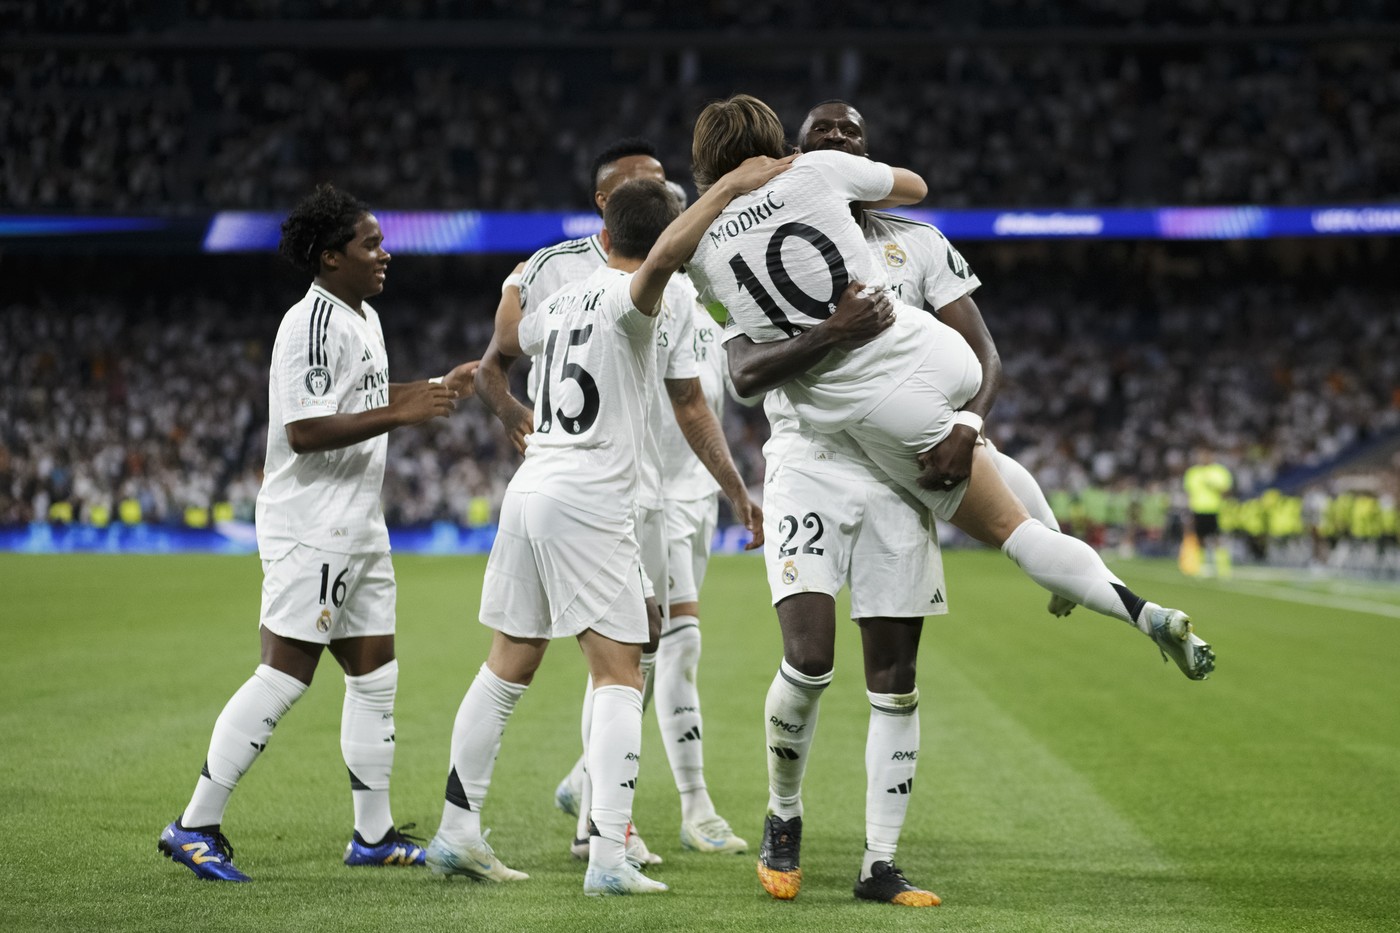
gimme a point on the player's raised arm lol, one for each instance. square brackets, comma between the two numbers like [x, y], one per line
[680, 239]
[909, 188]
[493, 374]
[758, 367]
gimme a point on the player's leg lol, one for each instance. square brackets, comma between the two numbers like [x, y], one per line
[460, 846]
[891, 649]
[515, 603]
[1067, 566]
[690, 527]
[1024, 487]
[896, 579]
[291, 605]
[362, 642]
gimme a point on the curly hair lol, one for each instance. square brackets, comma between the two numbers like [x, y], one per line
[325, 219]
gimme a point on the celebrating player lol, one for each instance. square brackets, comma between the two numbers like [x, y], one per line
[566, 561]
[670, 660]
[327, 577]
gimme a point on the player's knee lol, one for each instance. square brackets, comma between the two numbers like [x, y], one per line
[812, 661]
[895, 675]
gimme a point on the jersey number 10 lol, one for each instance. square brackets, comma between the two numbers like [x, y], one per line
[816, 308]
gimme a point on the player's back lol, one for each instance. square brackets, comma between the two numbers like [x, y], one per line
[776, 262]
[596, 355]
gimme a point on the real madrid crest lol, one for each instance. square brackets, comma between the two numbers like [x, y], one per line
[894, 256]
[323, 624]
[789, 572]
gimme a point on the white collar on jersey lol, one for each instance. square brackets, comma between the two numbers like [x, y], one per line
[316, 289]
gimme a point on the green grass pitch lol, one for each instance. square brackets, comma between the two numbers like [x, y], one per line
[1068, 779]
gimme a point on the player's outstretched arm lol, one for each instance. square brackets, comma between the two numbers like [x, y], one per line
[705, 436]
[755, 368]
[410, 403]
[950, 462]
[678, 241]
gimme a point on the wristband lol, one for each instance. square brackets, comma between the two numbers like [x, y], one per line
[969, 418]
[513, 279]
[437, 380]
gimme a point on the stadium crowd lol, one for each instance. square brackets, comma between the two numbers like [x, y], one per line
[506, 129]
[127, 397]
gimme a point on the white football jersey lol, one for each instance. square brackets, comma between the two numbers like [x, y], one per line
[777, 260]
[597, 358]
[550, 269]
[327, 359]
[675, 359]
[684, 477]
[924, 269]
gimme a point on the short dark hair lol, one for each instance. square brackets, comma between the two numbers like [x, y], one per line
[325, 219]
[631, 146]
[636, 214]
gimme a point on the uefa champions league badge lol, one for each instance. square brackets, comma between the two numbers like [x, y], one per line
[789, 573]
[323, 624]
[894, 256]
[318, 380]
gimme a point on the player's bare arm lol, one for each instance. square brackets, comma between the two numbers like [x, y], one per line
[909, 188]
[706, 438]
[950, 462]
[493, 371]
[755, 368]
[412, 403]
[679, 240]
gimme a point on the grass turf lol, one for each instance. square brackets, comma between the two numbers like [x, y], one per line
[1068, 779]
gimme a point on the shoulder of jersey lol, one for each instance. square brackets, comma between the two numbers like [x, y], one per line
[579, 247]
[899, 220]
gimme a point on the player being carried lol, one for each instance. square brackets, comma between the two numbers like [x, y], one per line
[327, 577]
[566, 562]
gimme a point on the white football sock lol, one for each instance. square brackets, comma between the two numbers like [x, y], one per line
[891, 756]
[476, 741]
[789, 722]
[678, 714]
[240, 734]
[648, 678]
[585, 796]
[367, 743]
[1065, 565]
[1024, 487]
[614, 758]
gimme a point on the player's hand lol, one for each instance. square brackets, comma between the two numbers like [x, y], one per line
[858, 320]
[420, 401]
[950, 461]
[751, 517]
[519, 422]
[755, 173]
[462, 379]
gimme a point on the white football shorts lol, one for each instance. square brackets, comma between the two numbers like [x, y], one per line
[918, 415]
[323, 596]
[556, 570]
[824, 530]
[691, 525]
[652, 537]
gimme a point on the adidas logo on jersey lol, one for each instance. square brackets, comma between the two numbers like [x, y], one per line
[937, 598]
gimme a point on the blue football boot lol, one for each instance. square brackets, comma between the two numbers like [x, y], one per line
[396, 848]
[208, 854]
